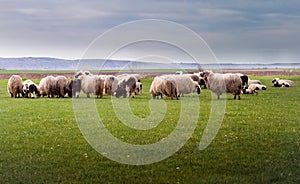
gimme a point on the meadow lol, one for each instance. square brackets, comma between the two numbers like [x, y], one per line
[258, 141]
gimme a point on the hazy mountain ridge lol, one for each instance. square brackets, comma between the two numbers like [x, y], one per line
[45, 63]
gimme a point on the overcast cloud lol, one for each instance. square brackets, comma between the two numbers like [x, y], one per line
[237, 31]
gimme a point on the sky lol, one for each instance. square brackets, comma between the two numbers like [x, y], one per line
[236, 31]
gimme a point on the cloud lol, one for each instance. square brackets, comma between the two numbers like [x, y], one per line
[231, 27]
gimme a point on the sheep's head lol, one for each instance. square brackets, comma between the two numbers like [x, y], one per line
[275, 80]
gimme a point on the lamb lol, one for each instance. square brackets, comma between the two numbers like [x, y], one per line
[162, 85]
[282, 82]
[222, 83]
[30, 89]
[185, 84]
[46, 86]
[257, 87]
[73, 88]
[14, 86]
[126, 86]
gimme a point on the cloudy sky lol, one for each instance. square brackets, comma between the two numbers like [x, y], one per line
[244, 31]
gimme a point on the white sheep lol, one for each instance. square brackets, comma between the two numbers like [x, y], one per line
[14, 86]
[162, 85]
[257, 87]
[282, 82]
[185, 84]
[224, 83]
[46, 86]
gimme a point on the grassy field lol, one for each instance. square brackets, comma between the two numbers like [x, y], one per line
[258, 142]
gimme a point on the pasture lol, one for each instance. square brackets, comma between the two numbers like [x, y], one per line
[258, 142]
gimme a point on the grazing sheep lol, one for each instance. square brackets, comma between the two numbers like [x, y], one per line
[139, 87]
[257, 87]
[110, 84]
[163, 86]
[59, 88]
[282, 82]
[224, 83]
[87, 81]
[200, 80]
[126, 86]
[30, 89]
[14, 86]
[99, 87]
[46, 86]
[73, 88]
[185, 84]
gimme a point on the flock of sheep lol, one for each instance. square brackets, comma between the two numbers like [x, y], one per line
[128, 85]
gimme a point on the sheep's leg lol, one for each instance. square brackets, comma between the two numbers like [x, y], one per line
[239, 97]
[88, 95]
[218, 97]
[234, 97]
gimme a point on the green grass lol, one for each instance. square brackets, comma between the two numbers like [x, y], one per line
[258, 142]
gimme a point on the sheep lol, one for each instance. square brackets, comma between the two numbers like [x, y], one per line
[110, 84]
[282, 82]
[46, 86]
[222, 83]
[257, 87]
[30, 89]
[139, 87]
[199, 77]
[14, 86]
[126, 86]
[87, 82]
[59, 88]
[99, 87]
[73, 88]
[162, 85]
[247, 90]
[185, 84]
[91, 83]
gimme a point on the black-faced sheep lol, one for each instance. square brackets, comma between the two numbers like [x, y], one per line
[185, 84]
[14, 86]
[163, 86]
[30, 89]
[282, 82]
[74, 88]
[199, 77]
[126, 86]
[247, 90]
[224, 83]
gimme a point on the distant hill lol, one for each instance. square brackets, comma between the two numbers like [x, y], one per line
[45, 63]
